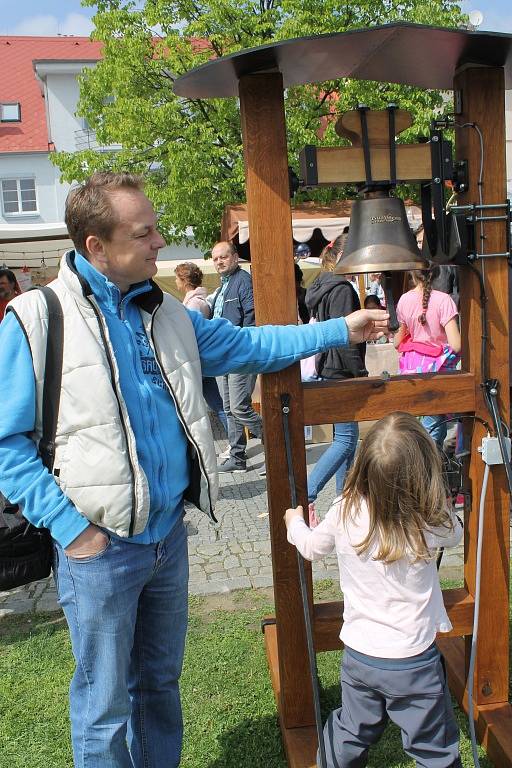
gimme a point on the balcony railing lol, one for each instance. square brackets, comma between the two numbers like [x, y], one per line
[86, 139]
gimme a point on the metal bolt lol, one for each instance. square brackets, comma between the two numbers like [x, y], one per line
[435, 138]
[486, 688]
[437, 180]
[493, 391]
[286, 409]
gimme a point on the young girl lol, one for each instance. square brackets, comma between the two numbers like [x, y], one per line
[429, 337]
[385, 529]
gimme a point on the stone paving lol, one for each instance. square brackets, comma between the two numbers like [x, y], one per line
[236, 555]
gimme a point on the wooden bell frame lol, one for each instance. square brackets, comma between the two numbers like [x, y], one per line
[481, 93]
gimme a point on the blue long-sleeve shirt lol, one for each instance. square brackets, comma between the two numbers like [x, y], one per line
[161, 442]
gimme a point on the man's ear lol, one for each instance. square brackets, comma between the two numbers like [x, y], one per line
[94, 246]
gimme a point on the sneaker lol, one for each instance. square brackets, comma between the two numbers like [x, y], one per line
[225, 454]
[231, 465]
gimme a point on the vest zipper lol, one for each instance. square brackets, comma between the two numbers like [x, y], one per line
[125, 430]
[180, 416]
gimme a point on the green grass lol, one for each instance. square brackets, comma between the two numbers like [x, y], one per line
[229, 710]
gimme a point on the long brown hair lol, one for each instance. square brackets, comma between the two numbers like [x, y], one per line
[332, 252]
[426, 278]
[398, 473]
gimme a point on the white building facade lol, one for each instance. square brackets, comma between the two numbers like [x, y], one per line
[39, 94]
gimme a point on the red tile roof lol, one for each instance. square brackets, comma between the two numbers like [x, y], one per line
[18, 83]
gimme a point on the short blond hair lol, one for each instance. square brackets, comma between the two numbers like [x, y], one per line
[89, 209]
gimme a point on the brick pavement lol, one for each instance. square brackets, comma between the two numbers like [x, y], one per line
[237, 554]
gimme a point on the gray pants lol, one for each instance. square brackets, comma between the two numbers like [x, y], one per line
[236, 392]
[417, 699]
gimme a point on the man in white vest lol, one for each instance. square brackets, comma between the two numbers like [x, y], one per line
[133, 442]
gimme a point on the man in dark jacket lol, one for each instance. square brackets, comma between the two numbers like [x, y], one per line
[234, 301]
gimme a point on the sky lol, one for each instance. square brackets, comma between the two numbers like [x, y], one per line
[67, 17]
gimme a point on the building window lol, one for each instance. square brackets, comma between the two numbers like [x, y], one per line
[19, 196]
[10, 112]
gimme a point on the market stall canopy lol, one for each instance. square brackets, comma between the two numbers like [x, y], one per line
[409, 54]
[330, 220]
[32, 245]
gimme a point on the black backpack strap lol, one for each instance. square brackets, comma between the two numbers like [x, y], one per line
[52, 375]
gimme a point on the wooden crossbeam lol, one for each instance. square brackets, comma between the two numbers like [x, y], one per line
[328, 619]
[328, 166]
[373, 397]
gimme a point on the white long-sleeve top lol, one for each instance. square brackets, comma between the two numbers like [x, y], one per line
[390, 611]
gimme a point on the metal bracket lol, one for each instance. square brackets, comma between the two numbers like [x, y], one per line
[475, 214]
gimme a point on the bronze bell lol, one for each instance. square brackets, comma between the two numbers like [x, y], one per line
[380, 238]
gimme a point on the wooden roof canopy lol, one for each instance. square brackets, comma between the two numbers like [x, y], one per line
[410, 54]
[478, 67]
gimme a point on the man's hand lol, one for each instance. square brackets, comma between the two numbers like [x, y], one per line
[367, 325]
[91, 542]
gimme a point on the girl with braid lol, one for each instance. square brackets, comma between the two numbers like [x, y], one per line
[428, 338]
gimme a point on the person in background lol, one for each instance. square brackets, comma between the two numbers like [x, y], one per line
[428, 338]
[376, 288]
[234, 301]
[385, 529]
[372, 302]
[331, 296]
[8, 289]
[354, 282]
[302, 310]
[302, 251]
[189, 280]
[447, 279]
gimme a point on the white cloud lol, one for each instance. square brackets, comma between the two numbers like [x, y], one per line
[47, 25]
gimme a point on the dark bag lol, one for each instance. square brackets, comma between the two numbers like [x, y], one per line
[26, 551]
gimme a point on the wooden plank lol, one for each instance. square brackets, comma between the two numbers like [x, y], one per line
[300, 744]
[328, 619]
[482, 96]
[270, 223]
[493, 721]
[374, 397]
[344, 165]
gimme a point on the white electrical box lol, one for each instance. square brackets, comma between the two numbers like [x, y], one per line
[491, 452]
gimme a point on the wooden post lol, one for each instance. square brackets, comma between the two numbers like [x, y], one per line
[270, 227]
[483, 103]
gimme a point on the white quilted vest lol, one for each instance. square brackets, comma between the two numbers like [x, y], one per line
[96, 462]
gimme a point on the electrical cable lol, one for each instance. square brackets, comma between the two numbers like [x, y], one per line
[285, 409]
[476, 617]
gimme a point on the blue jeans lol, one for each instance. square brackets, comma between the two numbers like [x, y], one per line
[436, 429]
[213, 399]
[126, 608]
[336, 459]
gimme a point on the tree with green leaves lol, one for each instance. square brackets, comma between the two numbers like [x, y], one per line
[190, 150]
